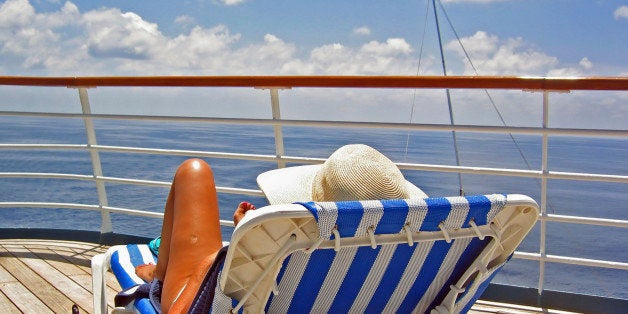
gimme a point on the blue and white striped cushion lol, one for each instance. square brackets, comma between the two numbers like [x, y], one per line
[123, 263]
[126, 258]
[389, 278]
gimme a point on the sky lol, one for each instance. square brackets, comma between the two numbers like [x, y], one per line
[324, 37]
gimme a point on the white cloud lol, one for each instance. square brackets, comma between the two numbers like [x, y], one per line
[584, 66]
[16, 13]
[390, 57]
[114, 34]
[30, 40]
[202, 49]
[184, 20]
[494, 56]
[392, 46]
[362, 31]
[481, 44]
[621, 12]
[107, 41]
[231, 2]
[585, 63]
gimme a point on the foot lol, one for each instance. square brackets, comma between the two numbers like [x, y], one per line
[146, 272]
[241, 211]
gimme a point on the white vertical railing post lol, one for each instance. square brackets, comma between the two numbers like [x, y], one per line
[545, 172]
[279, 149]
[105, 225]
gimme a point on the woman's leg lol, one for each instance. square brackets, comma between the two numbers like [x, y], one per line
[183, 302]
[191, 230]
[191, 225]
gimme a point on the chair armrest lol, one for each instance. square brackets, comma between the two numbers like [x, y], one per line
[100, 265]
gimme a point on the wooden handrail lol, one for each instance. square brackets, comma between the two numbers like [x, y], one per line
[454, 82]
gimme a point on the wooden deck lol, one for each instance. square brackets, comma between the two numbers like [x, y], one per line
[44, 276]
[41, 276]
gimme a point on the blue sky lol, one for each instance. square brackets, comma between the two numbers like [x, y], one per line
[323, 37]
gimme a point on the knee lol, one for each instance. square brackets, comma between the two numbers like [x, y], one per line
[194, 167]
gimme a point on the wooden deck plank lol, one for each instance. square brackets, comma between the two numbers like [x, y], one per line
[82, 273]
[110, 278]
[15, 292]
[77, 259]
[73, 260]
[23, 299]
[5, 276]
[67, 262]
[6, 306]
[86, 281]
[57, 261]
[482, 306]
[56, 290]
[77, 266]
[57, 243]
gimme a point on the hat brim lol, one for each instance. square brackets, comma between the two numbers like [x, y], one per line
[288, 185]
[294, 184]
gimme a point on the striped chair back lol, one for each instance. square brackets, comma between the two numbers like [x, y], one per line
[388, 278]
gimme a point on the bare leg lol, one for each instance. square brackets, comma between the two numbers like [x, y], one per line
[190, 236]
[191, 230]
[182, 304]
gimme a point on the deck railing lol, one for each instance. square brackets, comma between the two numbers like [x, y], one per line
[274, 84]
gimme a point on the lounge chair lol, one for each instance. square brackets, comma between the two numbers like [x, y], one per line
[418, 255]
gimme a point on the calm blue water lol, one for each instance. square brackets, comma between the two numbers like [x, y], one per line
[607, 156]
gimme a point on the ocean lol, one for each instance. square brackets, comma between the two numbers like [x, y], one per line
[568, 154]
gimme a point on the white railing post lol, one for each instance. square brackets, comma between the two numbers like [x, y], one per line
[105, 225]
[545, 172]
[279, 150]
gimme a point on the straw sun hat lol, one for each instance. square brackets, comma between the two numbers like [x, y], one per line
[353, 172]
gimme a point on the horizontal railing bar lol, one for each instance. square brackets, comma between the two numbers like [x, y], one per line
[30, 175]
[587, 177]
[194, 153]
[250, 192]
[134, 212]
[586, 220]
[340, 124]
[135, 182]
[473, 82]
[40, 175]
[571, 260]
[44, 146]
[219, 189]
[206, 154]
[118, 210]
[516, 173]
[49, 205]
